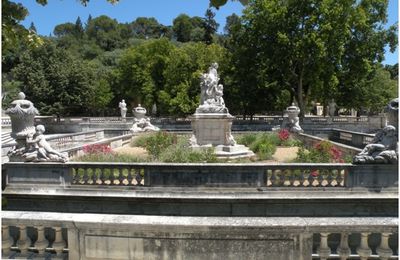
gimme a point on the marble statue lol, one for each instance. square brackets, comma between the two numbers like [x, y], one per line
[31, 144]
[292, 121]
[384, 147]
[332, 107]
[211, 100]
[40, 150]
[141, 123]
[212, 123]
[122, 106]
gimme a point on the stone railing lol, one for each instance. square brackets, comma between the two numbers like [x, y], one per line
[258, 123]
[109, 236]
[202, 175]
[355, 139]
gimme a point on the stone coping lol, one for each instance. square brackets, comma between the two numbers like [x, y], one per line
[201, 194]
[152, 164]
[277, 224]
[352, 132]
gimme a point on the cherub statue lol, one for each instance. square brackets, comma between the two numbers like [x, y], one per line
[40, 149]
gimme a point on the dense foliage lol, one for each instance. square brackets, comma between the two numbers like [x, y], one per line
[276, 53]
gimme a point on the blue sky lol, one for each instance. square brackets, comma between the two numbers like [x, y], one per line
[62, 11]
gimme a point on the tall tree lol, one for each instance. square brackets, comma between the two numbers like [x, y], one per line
[210, 26]
[315, 44]
[182, 27]
[79, 27]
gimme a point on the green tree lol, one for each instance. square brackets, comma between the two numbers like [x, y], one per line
[323, 46]
[104, 31]
[57, 82]
[182, 27]
[210, 26]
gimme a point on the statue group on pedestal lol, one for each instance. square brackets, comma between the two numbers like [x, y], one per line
[211, 100]
[31, 144]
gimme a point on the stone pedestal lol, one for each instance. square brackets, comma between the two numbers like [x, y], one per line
[214, 129]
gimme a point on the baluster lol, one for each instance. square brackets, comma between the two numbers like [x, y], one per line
[273, 178]
[310, 179]
[75, 175]
[138, 177]
[94, 176]
[383, 249]
[301, 179]
[320, 178]
[282, 178]
[121, 177]
[291, 178]
[24, 241]
[129, 177]
[58, 244]
[102, 176]
[344, 249]
[330, 178]
[41, 242]
[85, 176]
[363, 250]
[323, 250]
[112, 177]
[6, 242]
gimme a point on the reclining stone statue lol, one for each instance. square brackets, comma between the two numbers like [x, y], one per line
[384, 147]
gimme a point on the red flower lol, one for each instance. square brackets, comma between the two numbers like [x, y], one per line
[283, 134]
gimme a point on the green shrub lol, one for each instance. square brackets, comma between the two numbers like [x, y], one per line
[155, 143]
[246, 139]
[183, 153]
[110, 157]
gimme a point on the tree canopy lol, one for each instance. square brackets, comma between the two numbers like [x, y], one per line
[276, 53]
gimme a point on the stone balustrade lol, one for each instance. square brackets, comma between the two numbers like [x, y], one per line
[204, 175]
[38, 241]
[110, 236]
[258, 123]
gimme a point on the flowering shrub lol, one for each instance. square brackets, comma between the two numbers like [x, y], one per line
[283, 134]
[322, 152]
[96, 148]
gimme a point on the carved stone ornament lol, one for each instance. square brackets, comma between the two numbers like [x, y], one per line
[211, 100]
[141, 123]
[384, 147]
[292, 121]
[31, 144]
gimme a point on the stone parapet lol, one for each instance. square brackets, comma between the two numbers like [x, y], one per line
[113, 236]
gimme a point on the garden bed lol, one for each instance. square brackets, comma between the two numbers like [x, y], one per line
[271, 147]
